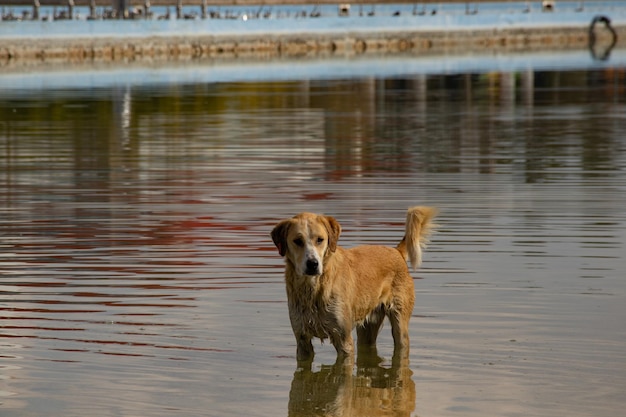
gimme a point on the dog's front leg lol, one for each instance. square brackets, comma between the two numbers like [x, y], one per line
[345, 347]
[304, 351]
[342, 341]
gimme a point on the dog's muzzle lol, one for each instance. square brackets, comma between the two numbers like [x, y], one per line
[312, 267]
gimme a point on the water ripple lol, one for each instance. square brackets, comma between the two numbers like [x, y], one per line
[138, 275]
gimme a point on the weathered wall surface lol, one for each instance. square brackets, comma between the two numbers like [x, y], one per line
[33, 43]
[197, 47]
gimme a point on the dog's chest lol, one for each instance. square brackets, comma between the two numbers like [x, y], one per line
[314, 317]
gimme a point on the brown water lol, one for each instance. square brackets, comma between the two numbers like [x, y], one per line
[138, 277]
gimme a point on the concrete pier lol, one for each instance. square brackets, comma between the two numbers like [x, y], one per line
[510, 29]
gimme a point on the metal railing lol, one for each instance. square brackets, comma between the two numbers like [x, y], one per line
[137, 9]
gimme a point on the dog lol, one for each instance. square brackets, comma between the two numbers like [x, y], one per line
[332, 290]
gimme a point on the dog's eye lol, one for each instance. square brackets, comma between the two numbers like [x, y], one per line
[299, 242]
[320, 240]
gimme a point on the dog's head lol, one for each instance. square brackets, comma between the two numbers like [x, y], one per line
[306, 240]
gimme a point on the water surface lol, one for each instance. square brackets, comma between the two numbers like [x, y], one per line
[138, 276]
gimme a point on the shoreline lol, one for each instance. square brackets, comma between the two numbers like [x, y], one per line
[31, 43]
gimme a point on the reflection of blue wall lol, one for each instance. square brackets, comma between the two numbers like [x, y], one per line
[306, 69]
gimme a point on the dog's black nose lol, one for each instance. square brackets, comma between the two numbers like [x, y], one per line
[312, 267]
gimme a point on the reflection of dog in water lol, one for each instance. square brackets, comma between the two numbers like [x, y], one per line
[331, 290]
[334, 390]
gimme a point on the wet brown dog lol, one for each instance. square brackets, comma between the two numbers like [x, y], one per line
[331, 290]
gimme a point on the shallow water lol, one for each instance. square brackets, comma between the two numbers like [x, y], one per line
[139, 278]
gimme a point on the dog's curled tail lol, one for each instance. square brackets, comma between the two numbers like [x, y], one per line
[419, 225]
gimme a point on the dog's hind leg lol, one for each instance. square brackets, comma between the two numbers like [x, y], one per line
[367, 333]
[399, 319]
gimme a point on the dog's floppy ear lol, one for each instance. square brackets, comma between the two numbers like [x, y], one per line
[279, 236]
[334, 230]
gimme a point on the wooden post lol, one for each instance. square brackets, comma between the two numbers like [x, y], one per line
[36, 6]
[121, 8]
[92, 9]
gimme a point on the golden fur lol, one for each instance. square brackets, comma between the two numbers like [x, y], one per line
[331, 290]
